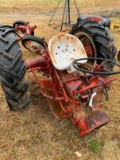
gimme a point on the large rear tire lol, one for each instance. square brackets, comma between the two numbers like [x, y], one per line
[12, 70]
[100, 38]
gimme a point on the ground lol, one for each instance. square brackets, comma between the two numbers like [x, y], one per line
[34, 133]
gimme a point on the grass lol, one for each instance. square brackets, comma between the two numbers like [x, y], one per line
[34, 133]
[96, 146]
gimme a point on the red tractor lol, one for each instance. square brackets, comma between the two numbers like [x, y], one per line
[72, 70]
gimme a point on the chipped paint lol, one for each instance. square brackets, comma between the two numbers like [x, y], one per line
[63, 49]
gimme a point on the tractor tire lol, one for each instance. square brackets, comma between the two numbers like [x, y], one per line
[6, 26]
[18, 32]
[104, 21]
[100, 38]
[12, 70]
[33, 43]
[118, 56]
[18, 97]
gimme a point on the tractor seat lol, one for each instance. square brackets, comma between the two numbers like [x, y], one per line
[64, 49]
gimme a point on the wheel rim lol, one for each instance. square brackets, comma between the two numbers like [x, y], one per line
[88, 45]
[33, 46]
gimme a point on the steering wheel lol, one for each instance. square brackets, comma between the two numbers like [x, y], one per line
[97, 69]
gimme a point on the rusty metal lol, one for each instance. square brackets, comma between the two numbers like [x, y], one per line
[69, 94]
[25, 29]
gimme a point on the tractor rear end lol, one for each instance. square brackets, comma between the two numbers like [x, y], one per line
[72, 93]
[73, 70]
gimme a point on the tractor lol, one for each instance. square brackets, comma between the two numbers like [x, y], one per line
[73, 69]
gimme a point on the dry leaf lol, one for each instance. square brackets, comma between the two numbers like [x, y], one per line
[78, 154]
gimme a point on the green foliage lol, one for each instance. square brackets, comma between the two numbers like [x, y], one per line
[22, 120]
[96, 146]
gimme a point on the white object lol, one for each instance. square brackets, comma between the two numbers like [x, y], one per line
[78, 154]
[64, 49]
[91, 99]
[71, 69]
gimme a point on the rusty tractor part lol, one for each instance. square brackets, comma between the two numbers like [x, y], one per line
[23, 28]
[72, 86]
[12, 70]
